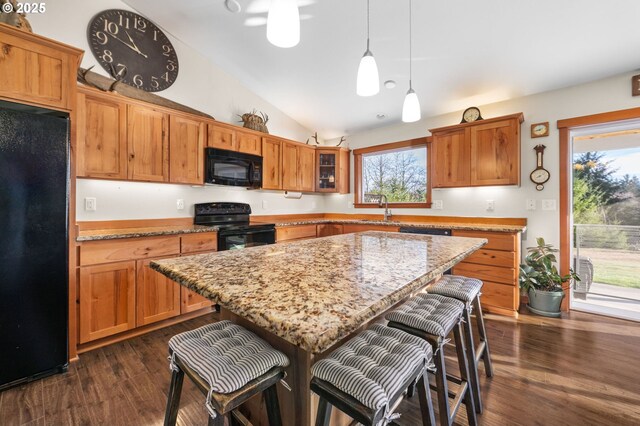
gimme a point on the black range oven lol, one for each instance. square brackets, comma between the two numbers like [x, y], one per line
[234, 230]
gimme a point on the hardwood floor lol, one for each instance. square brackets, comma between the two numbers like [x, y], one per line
[579, 370]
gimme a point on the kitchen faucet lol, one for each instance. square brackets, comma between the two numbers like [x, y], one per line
[387, 212]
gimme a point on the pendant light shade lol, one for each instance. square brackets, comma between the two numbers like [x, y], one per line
[368, 83]
[411, 107]
[283, 23]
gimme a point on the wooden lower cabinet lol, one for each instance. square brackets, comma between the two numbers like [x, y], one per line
[158, 297]
[192, 301]
[328, 229]
[496, 264]
[295, 232]
[350, 228]
[107, 300]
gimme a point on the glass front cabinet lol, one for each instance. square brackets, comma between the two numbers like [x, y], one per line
[332, 170]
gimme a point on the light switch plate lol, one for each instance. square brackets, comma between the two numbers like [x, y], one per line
[90, 204]
[531, 204]
[265, 204]
[437, 204]
[180, 204]
[491, 205]
[548, 204]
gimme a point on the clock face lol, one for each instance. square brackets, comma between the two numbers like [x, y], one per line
[539, 176]
[470, 115]
[539, 129]
[133, 50]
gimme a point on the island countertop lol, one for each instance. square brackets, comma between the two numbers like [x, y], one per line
[313, 293]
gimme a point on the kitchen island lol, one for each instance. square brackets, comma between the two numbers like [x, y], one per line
[307, 297]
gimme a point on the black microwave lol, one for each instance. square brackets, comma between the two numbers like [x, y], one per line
[232, 168]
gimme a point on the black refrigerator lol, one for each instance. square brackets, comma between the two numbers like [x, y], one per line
[34, 207]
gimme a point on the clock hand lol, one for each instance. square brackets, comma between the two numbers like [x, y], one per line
[135, 47]
[126, 44]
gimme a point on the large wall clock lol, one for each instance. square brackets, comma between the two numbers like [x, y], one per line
[132, 49]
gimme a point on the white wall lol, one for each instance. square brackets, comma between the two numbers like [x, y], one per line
[600, 96]
[200, 85]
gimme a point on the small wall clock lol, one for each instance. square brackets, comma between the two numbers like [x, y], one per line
[539, 130]
[540, 175]
[133, 50]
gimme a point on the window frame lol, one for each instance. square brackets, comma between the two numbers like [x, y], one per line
[357, 175]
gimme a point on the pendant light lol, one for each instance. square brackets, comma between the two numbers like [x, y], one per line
[368, 83]
[411, 106]
[283, 23]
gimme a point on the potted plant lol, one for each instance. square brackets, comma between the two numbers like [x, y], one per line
[540, 278]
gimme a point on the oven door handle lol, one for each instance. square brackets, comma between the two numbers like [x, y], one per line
[232, 233]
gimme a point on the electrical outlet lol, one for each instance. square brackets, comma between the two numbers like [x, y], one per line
[314, 205]
[531, 204]
[548, 204]
[90, 204]
[350, 204]
[180, 204]
[491, 205]
[437, 204]
[265, 204]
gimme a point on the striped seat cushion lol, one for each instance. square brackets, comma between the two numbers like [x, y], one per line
[373, 366]
[226, 355]
[458, 287]
[431, 313]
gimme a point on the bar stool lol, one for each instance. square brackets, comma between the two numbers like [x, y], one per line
[366, 377]
[229, 364]
[467, 290]
[433, 317]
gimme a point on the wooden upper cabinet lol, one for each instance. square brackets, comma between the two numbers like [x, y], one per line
[249, 143]
[271, 163]
[221, 137]
[158, 297]
[332, 170]
[102, 137]
[289, 166]
[450, 159]
[37, 70]
[482, 153]
[495, 153]
[306, 168]
[148, 143]
[186, 150]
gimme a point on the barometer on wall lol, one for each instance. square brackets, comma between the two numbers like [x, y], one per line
[540, 175]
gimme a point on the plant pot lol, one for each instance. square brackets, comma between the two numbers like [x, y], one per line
[546, 303]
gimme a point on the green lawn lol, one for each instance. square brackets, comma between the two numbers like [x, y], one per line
[615, 267]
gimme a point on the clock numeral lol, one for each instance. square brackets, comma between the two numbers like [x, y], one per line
[124, 22]
[171, 65]
[111, 27]
[155, 35]
[167, 49]
[154, 82]
[122, 69]
[102, 37]
[140, 25]
[165, 76]
[137, 80]
[107, 56]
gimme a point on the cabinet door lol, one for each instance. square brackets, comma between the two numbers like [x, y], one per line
[328, 229]
[289, 166]
[271, 163]
[102, 137]
[192, 301]
[306, 168]
[450, 159]
[148, 143]
[343, 171]
[186, 150]
[221, 137]
[158, 297]
[327, 170]
[249, 143]
[495, 153]
[107, 300]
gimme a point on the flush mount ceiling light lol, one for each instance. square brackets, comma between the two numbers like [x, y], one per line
[368, 83]
[232, 6]
[411, 106]
[283, 23]
[390, 84]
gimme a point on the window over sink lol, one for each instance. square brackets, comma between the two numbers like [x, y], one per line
[398, 170]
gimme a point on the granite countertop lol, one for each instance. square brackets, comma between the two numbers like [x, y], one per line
[152, 231]
[436, 225]
[313, 293]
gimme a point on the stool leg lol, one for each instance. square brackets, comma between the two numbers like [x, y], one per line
[324, 413]
[471, 359]
[273, 406]
[173, 398]
[426, 404]
[482, 334]
[464, 374]
[218, 421]
[411, 390]
[442, 388]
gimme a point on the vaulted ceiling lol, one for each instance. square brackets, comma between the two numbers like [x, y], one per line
[465, 53]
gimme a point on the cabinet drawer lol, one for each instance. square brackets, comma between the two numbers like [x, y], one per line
[328, 229]
[295, 232]
[497, 240]
[348, 229]
[194, 243]
[487, 273]
[95, 252]
[500, 295]
[505, 259]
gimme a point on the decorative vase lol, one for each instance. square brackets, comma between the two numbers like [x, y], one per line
[545, 303]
